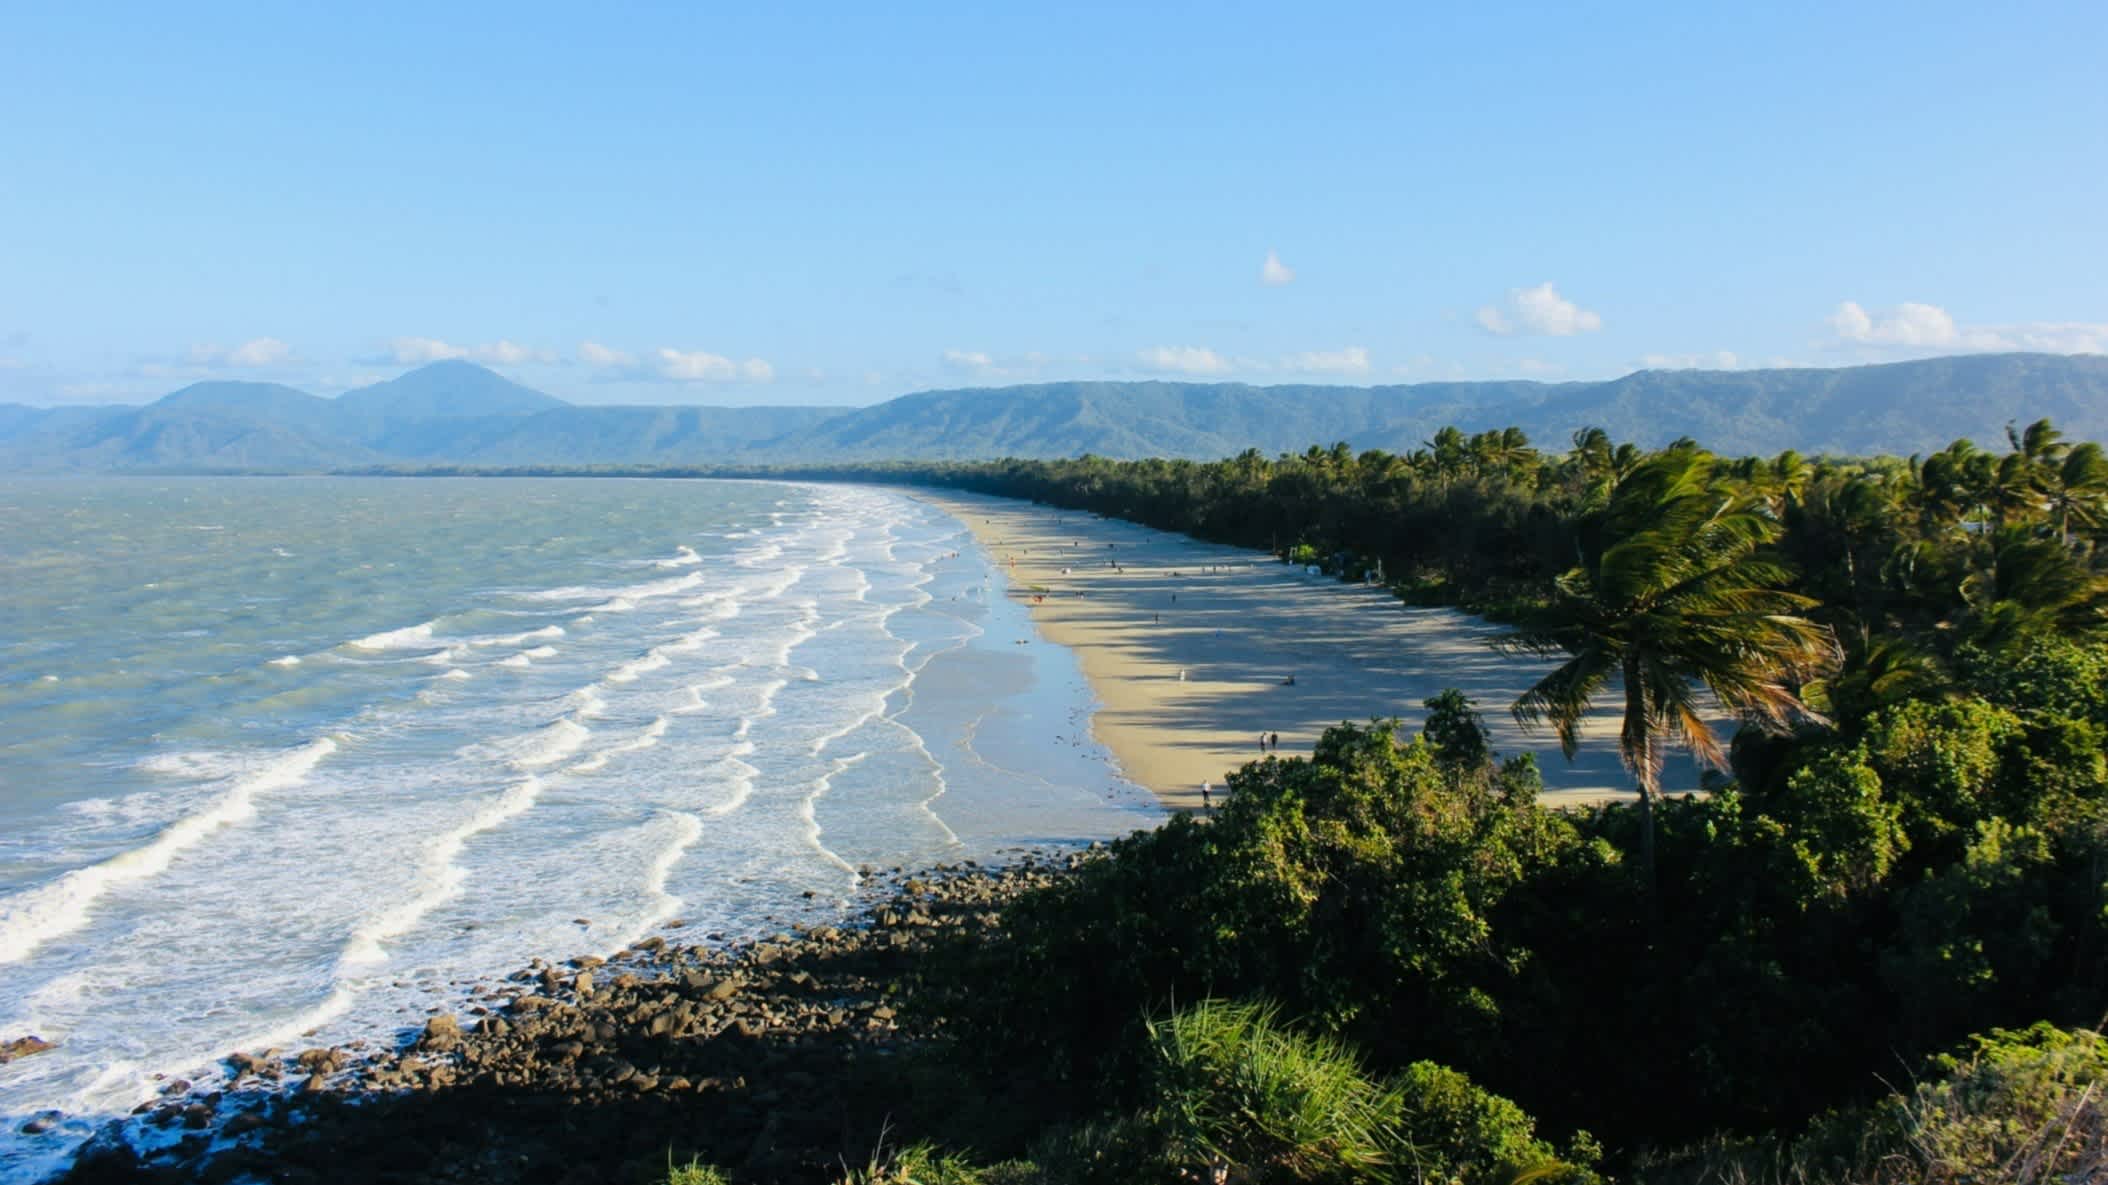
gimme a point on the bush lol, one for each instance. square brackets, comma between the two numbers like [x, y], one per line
[2014, 1108]
[1234, 1088]
[1236, 1095]
[2019, 1107]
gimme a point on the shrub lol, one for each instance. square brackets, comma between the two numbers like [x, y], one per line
[1234, 1088]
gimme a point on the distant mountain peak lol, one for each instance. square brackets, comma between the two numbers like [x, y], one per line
[456, 412]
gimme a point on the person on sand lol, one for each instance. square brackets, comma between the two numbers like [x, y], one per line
[1207, 796]
[1277, 742]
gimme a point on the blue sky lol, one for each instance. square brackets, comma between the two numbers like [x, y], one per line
[838, 204]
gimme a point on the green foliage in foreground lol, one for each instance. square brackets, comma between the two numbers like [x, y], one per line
[2012, 1108]
[1235, 1088]
[1866, 898]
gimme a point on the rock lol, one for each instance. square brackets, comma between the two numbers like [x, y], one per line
[724, 989]
[313, 1085]
[244, 1123]
[441, 1033]
[246, 1065]
[38, 1126]
[321, 1061]
[582, 983]
[23, 1047]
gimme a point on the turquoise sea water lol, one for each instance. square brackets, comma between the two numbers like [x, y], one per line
[287, 761]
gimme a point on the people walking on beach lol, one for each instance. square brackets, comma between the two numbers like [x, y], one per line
[1207, 796]
[1277, 742]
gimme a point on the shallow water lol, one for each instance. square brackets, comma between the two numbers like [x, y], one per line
[286, 761]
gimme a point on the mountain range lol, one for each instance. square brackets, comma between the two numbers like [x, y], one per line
[457, 414]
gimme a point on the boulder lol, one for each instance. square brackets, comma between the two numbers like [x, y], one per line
[23, 1047]
[441, 1033]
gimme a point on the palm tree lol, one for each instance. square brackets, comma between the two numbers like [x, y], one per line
[1678, 598]
[2080, 492]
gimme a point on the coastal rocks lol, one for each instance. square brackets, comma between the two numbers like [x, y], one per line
[23, 1047]
[442, 1034]
[776, 1057]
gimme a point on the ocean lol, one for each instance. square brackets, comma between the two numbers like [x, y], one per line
[289, 761]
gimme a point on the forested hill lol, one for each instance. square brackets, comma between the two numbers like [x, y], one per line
[458, 414]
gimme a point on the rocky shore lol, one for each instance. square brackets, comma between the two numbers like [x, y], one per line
[782, 1059]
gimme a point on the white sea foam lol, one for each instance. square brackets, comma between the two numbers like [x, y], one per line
[290, 660]
[32, 917]
[643, 740]
[540, 652]
[456, 675]
[407, 638]
[682, 557]
[631, 592]
[742, 779]
[543, 634]
[687, 829]
[516, 661]
[440, 877]
[544, 746]
[630, 671]
[586, 702]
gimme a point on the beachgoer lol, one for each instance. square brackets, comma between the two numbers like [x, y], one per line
[1277, 742]
[1207, 796]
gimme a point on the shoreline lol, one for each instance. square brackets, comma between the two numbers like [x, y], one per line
[1190, 647]
[751, 1053]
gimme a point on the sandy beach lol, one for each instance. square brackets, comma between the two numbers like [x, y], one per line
[1190, 647]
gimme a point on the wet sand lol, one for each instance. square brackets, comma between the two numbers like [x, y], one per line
[1189, 647]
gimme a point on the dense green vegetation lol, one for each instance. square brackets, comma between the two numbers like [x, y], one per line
[1909, 845]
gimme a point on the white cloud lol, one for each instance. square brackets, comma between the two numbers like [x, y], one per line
[971, 360]
[1351, 360]
[1273, 273]
[250, 355]
[1182, 360]
[410, 351]
[701, 366]
[1916, 326]
[262, 351]
[1540, 310]
[509, 354]
[1717, 360]
[416, 351]
[595, 354]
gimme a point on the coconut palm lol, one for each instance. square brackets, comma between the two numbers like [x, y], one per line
[2080, 493]
[1677, 599]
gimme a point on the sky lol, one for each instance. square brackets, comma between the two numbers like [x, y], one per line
[837, 204]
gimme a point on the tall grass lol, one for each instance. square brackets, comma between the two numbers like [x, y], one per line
[1239, 1091]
